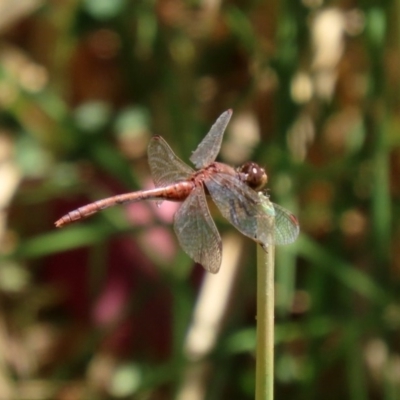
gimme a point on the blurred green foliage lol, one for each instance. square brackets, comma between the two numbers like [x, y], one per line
[100, 310]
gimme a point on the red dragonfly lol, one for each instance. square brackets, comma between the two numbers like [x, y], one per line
[236, 192]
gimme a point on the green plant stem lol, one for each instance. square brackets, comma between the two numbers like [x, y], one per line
[265, 324]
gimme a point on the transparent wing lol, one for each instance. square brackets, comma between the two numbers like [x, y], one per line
[209, 147]
[287, 226]
[166, 168]
[242, 207]
[197, 233]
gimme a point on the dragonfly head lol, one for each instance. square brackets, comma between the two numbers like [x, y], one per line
[254, 175]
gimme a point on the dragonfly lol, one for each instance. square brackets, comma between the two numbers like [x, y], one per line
[236, 192]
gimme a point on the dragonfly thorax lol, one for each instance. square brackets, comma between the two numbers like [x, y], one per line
[254, 175]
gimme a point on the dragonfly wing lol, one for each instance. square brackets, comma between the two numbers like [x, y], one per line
[209, 147]
[197, 233]
[242, 207]
[166, 168]
[286, 226]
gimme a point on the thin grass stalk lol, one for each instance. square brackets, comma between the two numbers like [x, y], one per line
[265, 324]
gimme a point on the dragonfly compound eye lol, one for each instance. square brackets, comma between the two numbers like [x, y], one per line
[255, 176]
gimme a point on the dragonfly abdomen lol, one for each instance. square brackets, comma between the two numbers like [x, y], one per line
[176, 192]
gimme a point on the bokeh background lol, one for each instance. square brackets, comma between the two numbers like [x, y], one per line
[111, 308]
